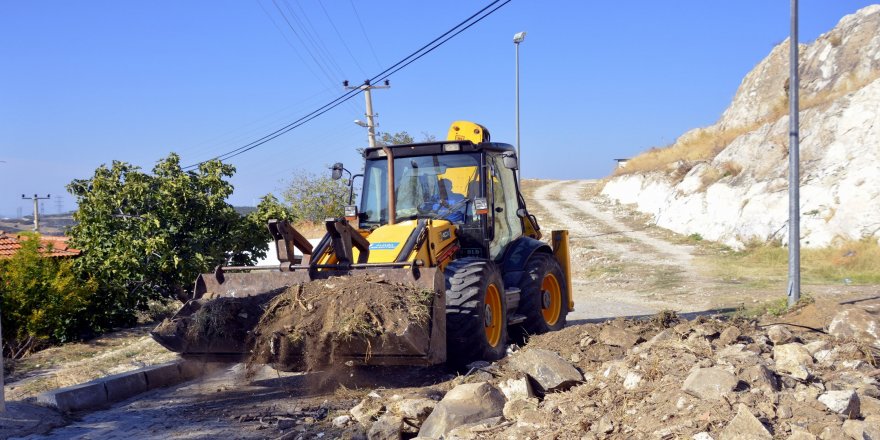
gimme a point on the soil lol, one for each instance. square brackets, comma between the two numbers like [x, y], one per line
[314, 324]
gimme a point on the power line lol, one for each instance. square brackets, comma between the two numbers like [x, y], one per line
[338, 34]
[364, 31]
[409, 59]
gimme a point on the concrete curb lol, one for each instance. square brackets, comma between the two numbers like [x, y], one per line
[103, 391]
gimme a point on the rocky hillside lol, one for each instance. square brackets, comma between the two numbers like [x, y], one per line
[728, 182]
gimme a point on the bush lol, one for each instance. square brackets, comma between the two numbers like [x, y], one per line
[43, 301]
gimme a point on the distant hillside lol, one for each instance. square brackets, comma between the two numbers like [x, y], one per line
[50, 224]
[728, 182]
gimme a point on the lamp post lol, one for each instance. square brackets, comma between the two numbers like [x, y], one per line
[794, 195]
[518, 38]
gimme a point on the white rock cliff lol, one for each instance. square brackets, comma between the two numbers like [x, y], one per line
[839, 141]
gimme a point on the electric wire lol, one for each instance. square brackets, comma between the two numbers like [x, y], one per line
[406, 61]
[338, 34]
[364, 31]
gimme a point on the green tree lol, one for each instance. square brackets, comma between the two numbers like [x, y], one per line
[399, 138]
[43, 301]
[149, 235]
[315, 198]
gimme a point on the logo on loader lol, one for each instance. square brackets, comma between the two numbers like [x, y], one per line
[384, 246]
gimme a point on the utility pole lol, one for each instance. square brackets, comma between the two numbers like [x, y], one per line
[36, 200]
[517, 39]
[794, 181]
[371, 123]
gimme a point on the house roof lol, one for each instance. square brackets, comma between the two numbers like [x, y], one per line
[50, 246]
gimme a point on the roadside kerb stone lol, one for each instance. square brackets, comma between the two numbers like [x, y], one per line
[103, 391]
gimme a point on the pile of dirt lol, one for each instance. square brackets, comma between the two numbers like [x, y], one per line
[662, 378]
[319, 323]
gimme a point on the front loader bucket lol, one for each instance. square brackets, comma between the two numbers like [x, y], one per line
[220, 322]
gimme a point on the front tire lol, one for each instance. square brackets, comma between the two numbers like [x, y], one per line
[544, 299]
[476, 312]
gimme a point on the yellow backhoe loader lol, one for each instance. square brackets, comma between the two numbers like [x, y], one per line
[447, 216]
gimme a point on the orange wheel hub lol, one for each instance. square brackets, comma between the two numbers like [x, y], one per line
[551, 299]
[492, 315]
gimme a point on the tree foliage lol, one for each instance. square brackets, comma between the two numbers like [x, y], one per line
[149, 235]
[315, 198]
[399, 138]
[42, 299]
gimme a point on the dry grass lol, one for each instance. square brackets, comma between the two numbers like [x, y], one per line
[310, 229]
[713, 174]
[849, 262]
[77, 363]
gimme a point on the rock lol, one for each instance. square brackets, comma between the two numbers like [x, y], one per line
[854, 428]
[845, 402]
[832, 433]
[466, 403]
[704, 435]
[618, 337]
[413, 411]
[470, 431]
[870, 406]
[815, 346]
[368, 410]
[728, 336]
[632, 380]
[800, 434]
[386, 428]
[605, 425]
[709, 383]
[779, 334]
[341, 421]
[760, 377]
[548, 369]
[519, 388]
[856, 323]
[783, 412]
[872, 428]
[532, 418]
[514, 408]
[793, 359]
[745, 426]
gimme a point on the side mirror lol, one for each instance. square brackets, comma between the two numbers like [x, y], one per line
[337, 171]
[510, 161]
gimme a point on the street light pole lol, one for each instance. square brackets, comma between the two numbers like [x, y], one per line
[518, 38]
[794, 181]
[371, 124]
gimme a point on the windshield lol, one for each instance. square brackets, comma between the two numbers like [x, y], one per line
[437, 186]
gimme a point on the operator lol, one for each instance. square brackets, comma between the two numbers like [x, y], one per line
[453, 209]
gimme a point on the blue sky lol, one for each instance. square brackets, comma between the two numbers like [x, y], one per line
[85, 83]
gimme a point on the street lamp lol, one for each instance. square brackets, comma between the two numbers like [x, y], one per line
[518, 38]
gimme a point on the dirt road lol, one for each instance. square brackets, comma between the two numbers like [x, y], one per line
[622, 267]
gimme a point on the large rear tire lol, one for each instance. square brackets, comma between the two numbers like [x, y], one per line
[476, 312]
[544, 299]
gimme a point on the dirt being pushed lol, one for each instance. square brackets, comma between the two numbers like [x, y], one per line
[340, 319]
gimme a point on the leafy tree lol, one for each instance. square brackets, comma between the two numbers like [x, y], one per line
[149, 235]
[315, 198]
[43, 301]
[399, 138]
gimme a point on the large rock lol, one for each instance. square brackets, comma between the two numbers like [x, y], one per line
[548, 369]
[388, 427]
[466, 403]
[413, 412]
[367, 410]
[759, 376]
[618, 337]
[779, 334]
[516, 388]
[856, 323]
[744, 426]
[844, 402]
[793, 359]
[709, 383]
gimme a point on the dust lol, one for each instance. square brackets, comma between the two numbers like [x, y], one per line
[327, 322]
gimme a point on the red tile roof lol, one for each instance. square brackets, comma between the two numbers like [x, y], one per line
[11, 243]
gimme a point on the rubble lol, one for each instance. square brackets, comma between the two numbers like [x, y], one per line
[709, 378]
